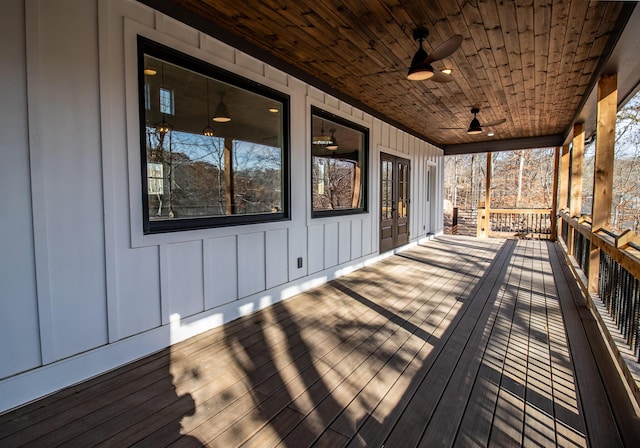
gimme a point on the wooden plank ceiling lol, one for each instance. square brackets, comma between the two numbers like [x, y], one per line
[531, 62]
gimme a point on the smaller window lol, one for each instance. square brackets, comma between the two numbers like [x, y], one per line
[155, 177]
[147, 96]
[166, 101]
[339, 151]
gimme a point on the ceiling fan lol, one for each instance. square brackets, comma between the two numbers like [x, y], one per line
[475, 127]
[421, 68]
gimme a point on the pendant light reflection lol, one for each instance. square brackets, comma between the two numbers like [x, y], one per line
[222, 111]
[163, 127]
[322, 139]
[208, 131]
[334, 144]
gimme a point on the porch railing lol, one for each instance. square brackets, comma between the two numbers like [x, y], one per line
[517, 223]
[618, 273]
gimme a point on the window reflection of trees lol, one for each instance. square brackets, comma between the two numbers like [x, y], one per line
[193, 176]
[334, 183]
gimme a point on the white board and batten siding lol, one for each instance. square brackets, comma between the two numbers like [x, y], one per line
[84, 290]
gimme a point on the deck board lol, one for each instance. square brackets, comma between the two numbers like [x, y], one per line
[460, 341]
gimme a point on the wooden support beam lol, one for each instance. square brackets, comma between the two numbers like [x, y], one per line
[565, 162]
[487, 196]
[603, 168]
[575, 179]
[484, 209]
[605, 140]
[554, 205]
[577, 156]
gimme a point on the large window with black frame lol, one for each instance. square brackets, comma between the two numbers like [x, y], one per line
[339, 150]
[214, 146]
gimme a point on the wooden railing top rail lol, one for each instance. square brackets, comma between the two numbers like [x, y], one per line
[582, 224]
[520, 210]
[622, 248]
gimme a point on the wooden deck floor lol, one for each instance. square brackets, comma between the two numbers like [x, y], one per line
[459, 342]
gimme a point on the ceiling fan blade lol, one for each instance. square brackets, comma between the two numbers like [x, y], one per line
[494, 123]
[384, 72]
[439, 76]
[445, 49]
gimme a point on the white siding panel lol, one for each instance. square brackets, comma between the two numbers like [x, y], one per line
[250, 63]
[298, 249]
[344, 242]
[366, 237]
[218, 49]
[316, 94]
[316, 249]
[356, 239]
[177, 30]
[220, 271]
[185, 282]
[18, 301]
[346, 108]
[277, 258]
[330, 245]
[138, 291]
[394, 141]
[275, 75]
[251, 264]
[332, 102]
[384, 135]
[66, 161]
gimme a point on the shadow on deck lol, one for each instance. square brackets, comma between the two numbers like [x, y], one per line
[461, 341]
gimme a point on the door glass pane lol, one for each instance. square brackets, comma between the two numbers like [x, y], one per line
[403, 171]
[387, 190]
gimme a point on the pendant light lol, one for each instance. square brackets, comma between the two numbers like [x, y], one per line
[420, 70]
[474, 126]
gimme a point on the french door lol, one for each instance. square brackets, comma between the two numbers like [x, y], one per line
[394, 201]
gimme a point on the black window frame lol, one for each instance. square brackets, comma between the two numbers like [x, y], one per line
[154, 49]
[325, 115]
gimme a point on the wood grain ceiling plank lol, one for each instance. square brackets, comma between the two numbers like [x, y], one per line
[508, 106]
[525, 23]
[468, 62]
[542, 30]
[585, 61]
[566, 77]
[529, 61]
[557, 25]
[396, 36]
[508, 24]
[357, 33]
[496, 103]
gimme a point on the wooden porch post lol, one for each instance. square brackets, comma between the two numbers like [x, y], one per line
[487, 197]
[565, 161]
[575, 186]
[603, 168]
[554, 205]
[577, 156]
